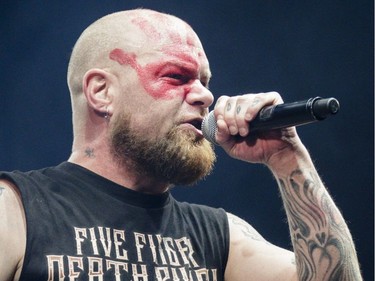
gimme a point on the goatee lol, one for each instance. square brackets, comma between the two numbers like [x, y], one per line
[179, 158]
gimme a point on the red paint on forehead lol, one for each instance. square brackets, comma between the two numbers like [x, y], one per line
[152, 32]
[186, 58]
[147, 27]
[162, 29]
[185, 54]
[174, 37]
[191, 40]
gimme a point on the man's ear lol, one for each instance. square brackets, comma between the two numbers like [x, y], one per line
[96, 84]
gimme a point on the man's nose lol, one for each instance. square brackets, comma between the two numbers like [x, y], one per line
[199, 95]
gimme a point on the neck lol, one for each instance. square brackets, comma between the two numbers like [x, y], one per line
[99, 160]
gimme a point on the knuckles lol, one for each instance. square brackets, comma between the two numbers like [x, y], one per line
[231, 109]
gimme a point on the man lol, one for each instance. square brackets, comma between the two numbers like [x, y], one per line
[139, 88]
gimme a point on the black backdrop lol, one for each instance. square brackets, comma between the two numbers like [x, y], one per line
[298, 48]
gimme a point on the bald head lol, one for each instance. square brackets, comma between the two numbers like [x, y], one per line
[129, 30]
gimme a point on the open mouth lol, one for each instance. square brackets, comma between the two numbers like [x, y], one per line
[197, 123]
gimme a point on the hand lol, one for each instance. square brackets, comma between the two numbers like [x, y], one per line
[233, 115]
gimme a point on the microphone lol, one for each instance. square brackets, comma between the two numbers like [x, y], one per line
[281, 116]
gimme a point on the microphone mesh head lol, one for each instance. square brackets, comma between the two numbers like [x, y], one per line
[209, 127]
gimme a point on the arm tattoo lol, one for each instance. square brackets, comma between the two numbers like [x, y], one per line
[321, 240]
[1, 190]
[90, 152]
[246, 228]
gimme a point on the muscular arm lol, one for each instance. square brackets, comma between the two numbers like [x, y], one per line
[12, 232]
[321, 240]
[322, 243]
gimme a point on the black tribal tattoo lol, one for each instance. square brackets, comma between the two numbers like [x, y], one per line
[321, 241]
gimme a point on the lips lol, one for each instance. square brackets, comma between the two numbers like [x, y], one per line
[195, 124]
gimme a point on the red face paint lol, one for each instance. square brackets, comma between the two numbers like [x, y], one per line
[181, 54]
[147, 28]
[155, 77]
[123, 58]
[181, 59]
[171, 35]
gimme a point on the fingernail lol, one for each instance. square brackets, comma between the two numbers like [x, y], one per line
[243, 132]
[233, 130]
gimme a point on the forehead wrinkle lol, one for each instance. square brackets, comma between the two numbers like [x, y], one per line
[177, 53]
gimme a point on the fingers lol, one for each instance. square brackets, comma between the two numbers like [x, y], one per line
[233, 114]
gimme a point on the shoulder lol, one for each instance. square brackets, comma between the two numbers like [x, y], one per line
[12, 230]
[29, 181]
[10, 201]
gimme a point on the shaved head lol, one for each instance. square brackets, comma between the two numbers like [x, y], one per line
[127, 30]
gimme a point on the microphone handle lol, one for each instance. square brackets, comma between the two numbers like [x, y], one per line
[294, 114]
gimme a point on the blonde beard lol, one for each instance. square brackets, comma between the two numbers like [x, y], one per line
[179, 158]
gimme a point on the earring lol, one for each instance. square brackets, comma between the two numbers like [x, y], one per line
[106, 115]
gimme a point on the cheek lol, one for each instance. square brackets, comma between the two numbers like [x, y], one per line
[162, 90]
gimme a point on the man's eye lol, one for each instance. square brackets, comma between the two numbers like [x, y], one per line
[175, 76]
[178, 77]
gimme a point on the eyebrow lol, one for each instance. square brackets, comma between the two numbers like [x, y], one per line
[181, 63]
[204, 74]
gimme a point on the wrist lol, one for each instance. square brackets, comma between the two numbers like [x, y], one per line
[292, 157]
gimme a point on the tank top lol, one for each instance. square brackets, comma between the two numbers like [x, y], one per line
[81, 226]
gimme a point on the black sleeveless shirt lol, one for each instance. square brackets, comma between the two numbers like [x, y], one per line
[81, 226]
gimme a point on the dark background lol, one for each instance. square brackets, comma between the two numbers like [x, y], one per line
[301, 49]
